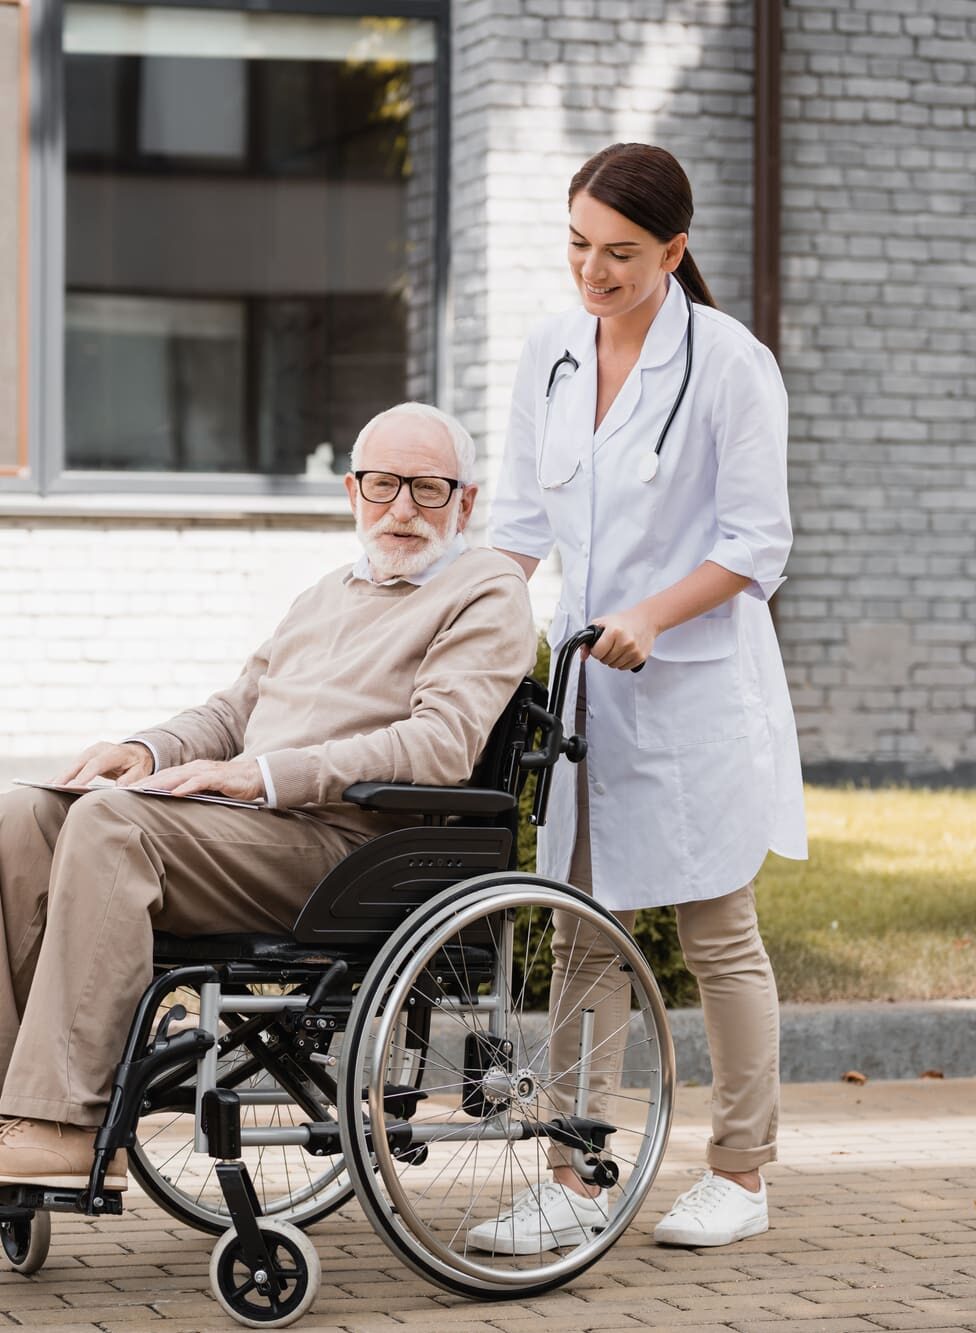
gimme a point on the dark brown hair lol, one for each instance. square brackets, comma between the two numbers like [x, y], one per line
[648, 186]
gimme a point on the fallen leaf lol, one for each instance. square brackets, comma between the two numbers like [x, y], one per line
[854, 1076]
[931, 1073]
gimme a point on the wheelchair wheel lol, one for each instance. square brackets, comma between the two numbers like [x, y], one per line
[476, 959]
[251, 1298]
[26, 1241]
[291, 1186]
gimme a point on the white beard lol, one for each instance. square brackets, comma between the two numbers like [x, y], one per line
[386, 564]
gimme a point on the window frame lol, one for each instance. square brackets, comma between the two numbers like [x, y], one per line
[47, 474]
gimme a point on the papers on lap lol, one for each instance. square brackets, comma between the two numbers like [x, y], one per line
[74, 790]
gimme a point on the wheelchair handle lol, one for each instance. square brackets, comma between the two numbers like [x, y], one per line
[554, 742]
[586, 638]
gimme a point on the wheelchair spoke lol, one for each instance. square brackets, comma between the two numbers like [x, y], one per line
[607, 1040]
[288, 1184]
[443, 1198]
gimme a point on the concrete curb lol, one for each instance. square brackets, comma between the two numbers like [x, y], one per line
[821, 1042]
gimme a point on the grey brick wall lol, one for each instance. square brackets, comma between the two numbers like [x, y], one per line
[539, 85]
[10, 131]
[877, 623]
[421, 221]
[877, 620]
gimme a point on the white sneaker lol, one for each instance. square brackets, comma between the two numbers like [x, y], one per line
[715, 1211]
[544, 1217]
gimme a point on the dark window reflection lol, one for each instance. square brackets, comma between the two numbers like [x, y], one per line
[249, 257]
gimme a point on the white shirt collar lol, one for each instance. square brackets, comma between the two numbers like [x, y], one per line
[663, 338]
[361, 569]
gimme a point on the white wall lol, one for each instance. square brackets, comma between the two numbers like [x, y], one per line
[107, 627]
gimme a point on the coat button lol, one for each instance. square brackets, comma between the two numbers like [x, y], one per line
[599, 788]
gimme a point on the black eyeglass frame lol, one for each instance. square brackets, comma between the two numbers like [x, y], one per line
[452, 482]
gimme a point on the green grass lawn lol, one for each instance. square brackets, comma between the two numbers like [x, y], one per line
[886, 906]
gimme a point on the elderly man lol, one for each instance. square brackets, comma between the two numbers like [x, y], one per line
[394, 669]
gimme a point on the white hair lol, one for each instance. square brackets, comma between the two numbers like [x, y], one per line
[463, 444]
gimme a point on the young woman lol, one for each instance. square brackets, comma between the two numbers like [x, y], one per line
[648, 443]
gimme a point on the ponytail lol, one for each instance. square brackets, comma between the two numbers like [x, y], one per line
[692, 281]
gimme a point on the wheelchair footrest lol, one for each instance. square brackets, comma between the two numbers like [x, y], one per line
[577, 1131]
[15, 1200]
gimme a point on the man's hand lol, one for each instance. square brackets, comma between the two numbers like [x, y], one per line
[238, 778]
[126, 763]
[627, 639]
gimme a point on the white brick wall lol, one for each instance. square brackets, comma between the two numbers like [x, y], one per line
[106, 628]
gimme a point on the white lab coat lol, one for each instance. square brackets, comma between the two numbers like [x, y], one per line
[693, 766]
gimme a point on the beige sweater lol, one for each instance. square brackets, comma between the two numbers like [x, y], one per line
[359, 681]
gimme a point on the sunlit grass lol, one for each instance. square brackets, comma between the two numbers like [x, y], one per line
[886, 906]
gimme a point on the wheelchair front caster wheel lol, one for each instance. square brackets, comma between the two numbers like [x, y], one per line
[26, 1241]
[268, 1298]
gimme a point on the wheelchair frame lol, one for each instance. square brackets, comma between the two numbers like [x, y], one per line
[415, 923]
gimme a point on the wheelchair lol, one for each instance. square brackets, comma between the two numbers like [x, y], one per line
[393, 1049]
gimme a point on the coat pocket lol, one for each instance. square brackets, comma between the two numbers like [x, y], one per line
[680, 704]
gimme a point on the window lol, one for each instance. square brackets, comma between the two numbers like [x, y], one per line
[252, 261]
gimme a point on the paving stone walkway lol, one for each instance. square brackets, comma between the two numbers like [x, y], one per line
[874, 1228]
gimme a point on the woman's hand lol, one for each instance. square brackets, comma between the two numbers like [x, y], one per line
[628, 636]
[627, 639]
[238, 778]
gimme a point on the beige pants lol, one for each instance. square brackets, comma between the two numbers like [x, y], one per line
[83, 883]
[724, 952]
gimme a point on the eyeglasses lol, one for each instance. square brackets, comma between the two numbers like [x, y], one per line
[382, 488]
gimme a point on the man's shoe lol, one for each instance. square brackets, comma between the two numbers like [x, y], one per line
[543, 1217]
[715, 1211]
[40, 1152]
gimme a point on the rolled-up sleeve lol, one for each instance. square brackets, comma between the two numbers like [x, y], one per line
[751, 501]
[518, 518]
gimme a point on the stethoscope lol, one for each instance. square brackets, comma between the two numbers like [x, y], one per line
[647, 468]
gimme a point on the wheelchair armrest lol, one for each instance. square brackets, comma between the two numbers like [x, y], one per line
[408, 798]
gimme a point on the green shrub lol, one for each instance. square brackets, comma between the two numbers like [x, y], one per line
[655, 929]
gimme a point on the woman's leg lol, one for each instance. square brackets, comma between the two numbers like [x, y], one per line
[725, 953]
[584, 976]
[722, 947]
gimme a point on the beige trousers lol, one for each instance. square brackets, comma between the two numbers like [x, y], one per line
[83, 883]
[724, 952]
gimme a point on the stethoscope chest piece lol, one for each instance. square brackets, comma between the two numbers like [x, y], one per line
[648, 466]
